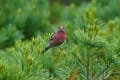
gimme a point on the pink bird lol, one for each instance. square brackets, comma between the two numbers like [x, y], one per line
[57, 38]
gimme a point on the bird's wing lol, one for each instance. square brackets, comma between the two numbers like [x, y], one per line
[52, 36]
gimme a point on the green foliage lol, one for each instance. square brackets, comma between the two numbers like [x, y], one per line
[8, 35]
[93, 54]
[91, 50]
[25, 61]
[28, 17]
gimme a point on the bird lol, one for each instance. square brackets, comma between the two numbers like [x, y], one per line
[56, 39]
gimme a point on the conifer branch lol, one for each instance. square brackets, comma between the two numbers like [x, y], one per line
[102, 72]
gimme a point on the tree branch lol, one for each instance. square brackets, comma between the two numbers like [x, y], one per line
[102, 72]
[88, 65]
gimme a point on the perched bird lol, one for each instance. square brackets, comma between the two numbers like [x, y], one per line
[57, 38]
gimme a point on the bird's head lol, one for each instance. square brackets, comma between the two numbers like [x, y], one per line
[61, 29]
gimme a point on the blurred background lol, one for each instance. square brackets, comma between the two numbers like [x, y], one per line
[23, 19]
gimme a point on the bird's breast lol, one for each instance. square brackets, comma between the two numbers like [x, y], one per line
[61, 36]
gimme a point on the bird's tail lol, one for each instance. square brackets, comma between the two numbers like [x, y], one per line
[45, 49]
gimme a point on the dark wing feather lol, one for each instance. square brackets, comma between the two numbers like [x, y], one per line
[52, 36]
